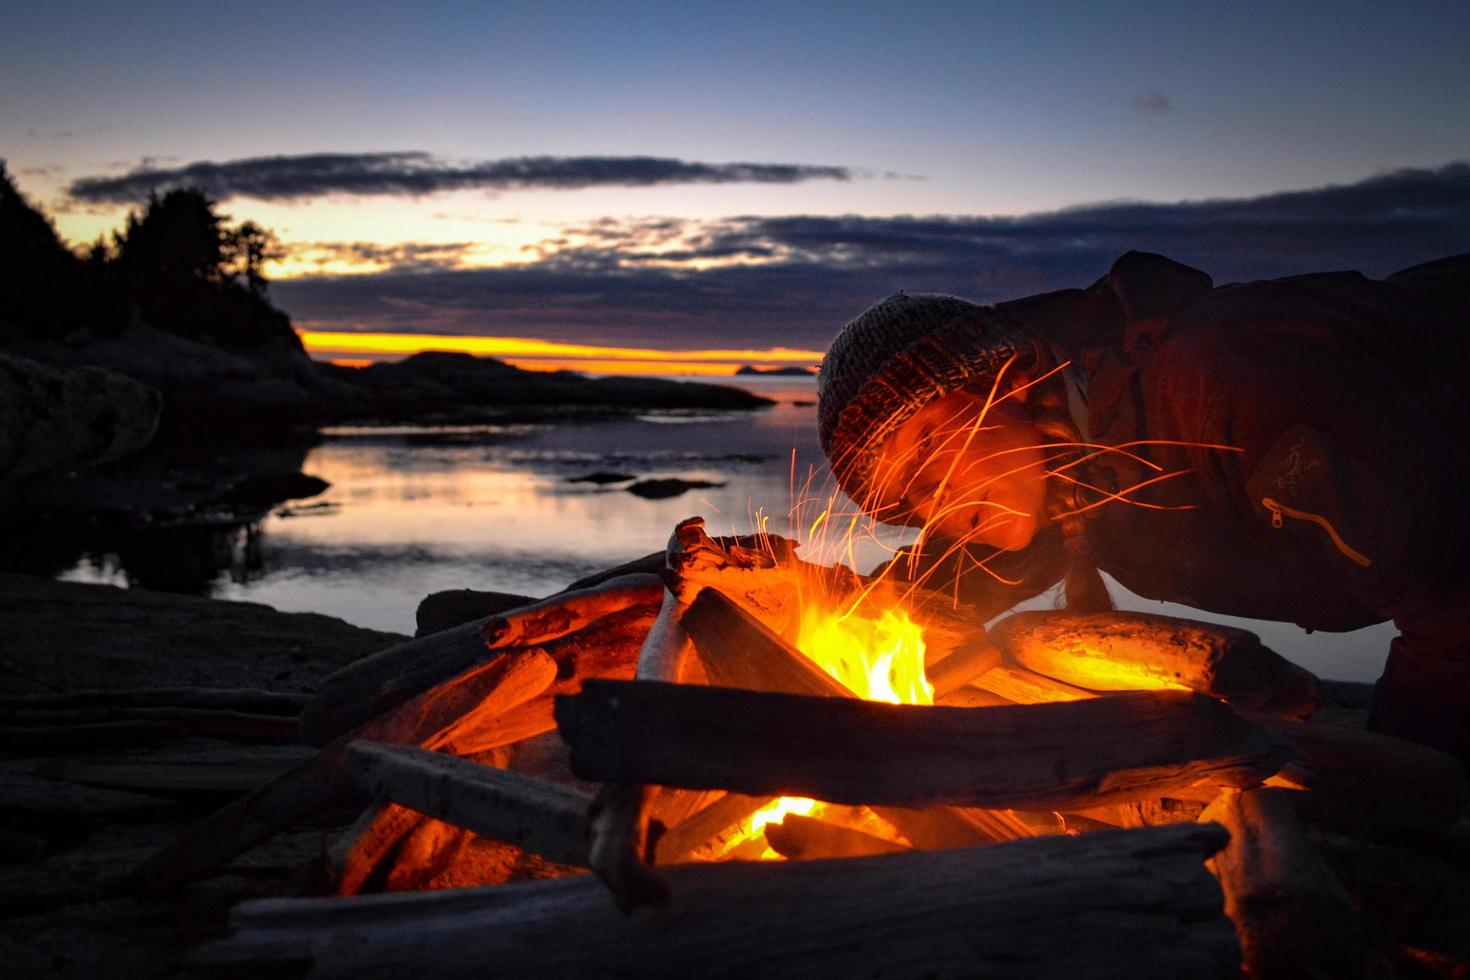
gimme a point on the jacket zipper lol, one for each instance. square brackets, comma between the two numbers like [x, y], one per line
[1277, 509]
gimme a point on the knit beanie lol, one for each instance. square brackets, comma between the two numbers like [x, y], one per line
[898, 356]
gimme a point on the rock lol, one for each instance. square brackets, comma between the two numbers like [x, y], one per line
[54, 418]
[70, 636]
[602, 477]
[663, 489]
[205, 388]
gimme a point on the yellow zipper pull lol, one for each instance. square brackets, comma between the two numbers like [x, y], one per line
[1277, 509]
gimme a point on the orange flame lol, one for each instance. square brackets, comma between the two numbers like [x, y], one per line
[878, 659]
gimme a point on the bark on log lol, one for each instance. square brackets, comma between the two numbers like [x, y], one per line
[247, 700]
[1118, 651]
[1359, 780]
[1138, 903]
[428, 720]
[801, 838]
[1292, 915]
[1131, 746]
[365, 689]
[537, 816]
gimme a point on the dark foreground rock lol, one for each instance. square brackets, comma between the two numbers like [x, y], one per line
[54, 418]
[71, 636]
[92, 817]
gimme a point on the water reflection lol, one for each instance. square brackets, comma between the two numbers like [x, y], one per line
[413, 511]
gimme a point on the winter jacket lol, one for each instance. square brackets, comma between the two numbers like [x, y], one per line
[1316, 426]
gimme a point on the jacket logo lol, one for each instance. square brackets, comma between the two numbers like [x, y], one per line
[1297, 466]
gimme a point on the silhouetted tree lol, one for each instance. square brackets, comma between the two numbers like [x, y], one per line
[251, 247]
[40, 279]
[179, 237]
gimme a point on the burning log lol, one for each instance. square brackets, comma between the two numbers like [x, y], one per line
[537, 816]
[428, 720]
[1292, 915]
[1118, 651]
[1131, 746]
[805, 839]
[1115, 902]
[368, 687]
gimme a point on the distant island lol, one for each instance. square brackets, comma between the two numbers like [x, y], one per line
[785, 372]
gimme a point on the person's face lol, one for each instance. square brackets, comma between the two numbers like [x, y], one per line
[965, 472]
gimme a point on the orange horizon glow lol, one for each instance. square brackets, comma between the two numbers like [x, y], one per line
[358, 349]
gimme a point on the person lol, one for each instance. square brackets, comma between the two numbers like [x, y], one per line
[1289, 450]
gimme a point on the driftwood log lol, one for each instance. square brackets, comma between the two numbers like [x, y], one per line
[1138, 903]
[541, 817]
[1357, 780]
[429, 720]
[1131, 746]
[1122, 651]
[1292, 915]
[368, 687]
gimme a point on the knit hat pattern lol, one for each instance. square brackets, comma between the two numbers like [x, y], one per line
[899, 355]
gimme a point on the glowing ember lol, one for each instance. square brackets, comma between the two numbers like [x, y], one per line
[877, 659]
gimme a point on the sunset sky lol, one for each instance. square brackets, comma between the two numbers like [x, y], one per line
[687, 187]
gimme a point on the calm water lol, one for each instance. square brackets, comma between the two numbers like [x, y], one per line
[414, 511]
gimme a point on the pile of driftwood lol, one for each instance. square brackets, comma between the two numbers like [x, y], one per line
[1055, 810]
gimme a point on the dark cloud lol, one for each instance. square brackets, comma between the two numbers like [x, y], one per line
[801, 277]
[1151, 103]
[293, 177]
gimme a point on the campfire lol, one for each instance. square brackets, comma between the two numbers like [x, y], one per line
[784, 767]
